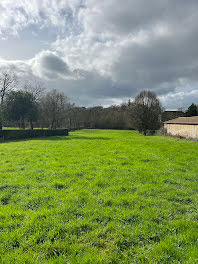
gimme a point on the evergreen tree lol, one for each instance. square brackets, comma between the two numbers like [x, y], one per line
[192, 110]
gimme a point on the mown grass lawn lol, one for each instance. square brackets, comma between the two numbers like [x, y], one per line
[99, 196]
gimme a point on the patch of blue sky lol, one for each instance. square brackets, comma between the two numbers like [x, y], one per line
[29, 41]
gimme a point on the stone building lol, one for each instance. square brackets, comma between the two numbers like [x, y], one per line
[183, 126]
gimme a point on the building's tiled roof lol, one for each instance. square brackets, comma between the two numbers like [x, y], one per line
[192, 120]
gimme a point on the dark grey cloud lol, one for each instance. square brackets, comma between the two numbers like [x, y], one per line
[53, 63]
[161, 62]
[49, 65]
[107, 51]
[89, 91]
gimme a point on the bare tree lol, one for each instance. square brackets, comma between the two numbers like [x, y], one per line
[113, 117]
[8, 81]
[53, 108]
[77, 117]
[36, 88]
[146, 111]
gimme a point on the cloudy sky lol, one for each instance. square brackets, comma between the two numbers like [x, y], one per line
[102, 52]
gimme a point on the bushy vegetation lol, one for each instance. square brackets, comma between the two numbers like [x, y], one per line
[12, 134]
[99, 197]
[28, 105]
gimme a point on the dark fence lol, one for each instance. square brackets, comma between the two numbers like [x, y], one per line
[22, 134]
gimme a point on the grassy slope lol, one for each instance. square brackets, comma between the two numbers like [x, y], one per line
[99, 197]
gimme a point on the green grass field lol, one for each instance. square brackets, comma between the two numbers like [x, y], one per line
[99, 196]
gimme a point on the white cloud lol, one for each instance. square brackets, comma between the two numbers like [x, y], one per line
[22, 68]
[17, 15]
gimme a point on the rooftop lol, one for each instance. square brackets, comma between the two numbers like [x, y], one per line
[192, 120]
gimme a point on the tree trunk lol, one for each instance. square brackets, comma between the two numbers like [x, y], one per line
[69, 121]
[22, 123]
[18, 123]
[31, 125]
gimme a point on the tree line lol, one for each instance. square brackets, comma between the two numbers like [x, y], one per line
[31, 106]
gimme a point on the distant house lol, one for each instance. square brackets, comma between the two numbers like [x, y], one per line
[183, 126]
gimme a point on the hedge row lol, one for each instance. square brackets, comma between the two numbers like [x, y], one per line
[22, 134]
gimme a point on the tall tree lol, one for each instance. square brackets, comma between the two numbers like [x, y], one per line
[192, 110]
[53, 107]
[146, 111]
[8, 81]
[19, 106]
[36, 88]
